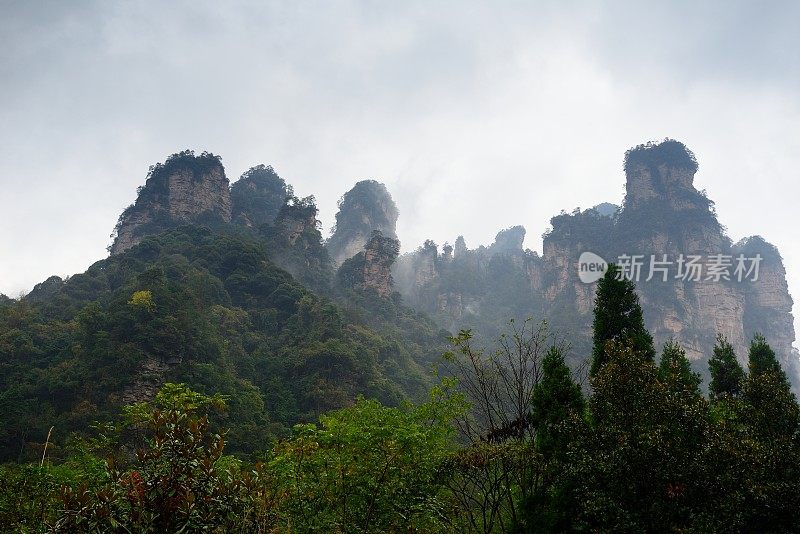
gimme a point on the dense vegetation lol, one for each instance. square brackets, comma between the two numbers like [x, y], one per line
[258, 196]
[507, 442]
[210, 310]
[480, 289]
[229, 379]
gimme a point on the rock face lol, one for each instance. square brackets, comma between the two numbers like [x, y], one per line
[294, 242]
[184, 189]
[366, 208]
[371, 269]
[664, 221]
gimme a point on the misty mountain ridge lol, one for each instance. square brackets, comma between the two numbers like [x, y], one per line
[231, 288]
[662, 214]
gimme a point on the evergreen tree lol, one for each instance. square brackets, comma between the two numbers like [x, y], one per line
[675, 371]
[768, 393]
[772, 417]
[618, 317]
[557, 405]
[761, 358]
[638, 468]
[555, 398]
[726, 373]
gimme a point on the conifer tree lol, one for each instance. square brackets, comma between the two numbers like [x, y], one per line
[618, 317]
[675, 371]
[761, 358]
[555, 397]
[772, 416]
[726, 373]
[768, 393]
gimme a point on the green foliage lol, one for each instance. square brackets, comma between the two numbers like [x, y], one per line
[30, 493]
[762, 359]
[258, 196]
[618, 317]
[726, 373]
[675, 371]
[775, 413]
[211, 310]
[637, 467]
[556, 398]
[198, 165]
[367, 468]
[294, 243]
[667, 152]
[178, 481]
[557, 406]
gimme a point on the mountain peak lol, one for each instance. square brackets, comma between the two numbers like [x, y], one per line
[185, 188]
[658, 171]
[367, 207]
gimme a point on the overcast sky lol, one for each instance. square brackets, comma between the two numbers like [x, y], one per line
[477, 116]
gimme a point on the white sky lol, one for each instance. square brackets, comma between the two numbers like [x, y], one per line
[477, 116]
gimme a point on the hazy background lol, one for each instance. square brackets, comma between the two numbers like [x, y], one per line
[477, 116]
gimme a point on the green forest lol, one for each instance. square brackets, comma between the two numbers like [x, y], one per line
[227, 375]
[291, 412]
[371, 267]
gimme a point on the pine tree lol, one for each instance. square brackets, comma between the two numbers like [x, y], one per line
[767, 391]
[556, 402]
[555, 397]
[761, 358]
[618, 317]
[726, 373]
[772, 416]
[675, 371]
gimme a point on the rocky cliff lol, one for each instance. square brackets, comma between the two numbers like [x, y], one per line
[371, 269]
[184, 189]
[693, 282]
[367, 207]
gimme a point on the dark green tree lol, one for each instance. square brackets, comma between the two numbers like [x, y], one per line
[761, 358]
[774, 411]
[726, 373]
[675, 371]
[618, 317]
[555, 398]
[772, 419]
[637, 468]
[557, 406]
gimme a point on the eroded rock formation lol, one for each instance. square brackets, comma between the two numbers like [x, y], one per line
[184, 189]
[371, 269]
[663, 218]
[367, 207]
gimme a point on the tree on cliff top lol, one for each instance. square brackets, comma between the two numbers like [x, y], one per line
[366, 207]
[258, 195]
[669, 151]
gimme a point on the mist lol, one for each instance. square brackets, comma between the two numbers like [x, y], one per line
[477, 117]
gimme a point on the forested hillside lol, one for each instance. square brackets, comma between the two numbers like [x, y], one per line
[209, 306]
[220, 372]
[507, 442]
